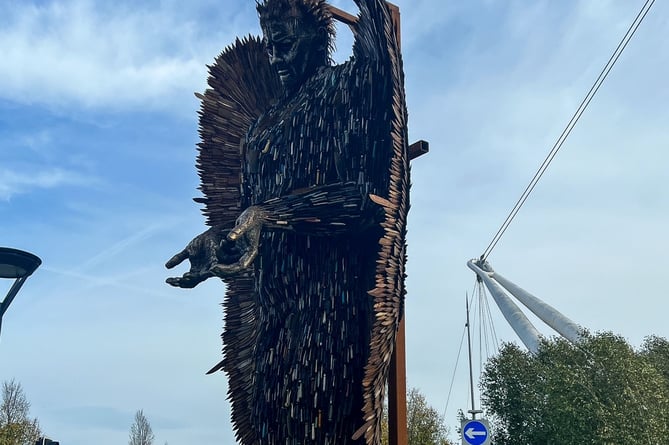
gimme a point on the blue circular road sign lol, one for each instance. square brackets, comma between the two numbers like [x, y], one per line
[475, 432]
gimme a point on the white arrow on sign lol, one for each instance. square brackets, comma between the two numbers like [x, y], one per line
[472, 433]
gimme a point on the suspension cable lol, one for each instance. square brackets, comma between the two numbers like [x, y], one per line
[570, 126]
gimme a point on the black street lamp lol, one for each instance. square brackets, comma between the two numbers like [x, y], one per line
[17, 265]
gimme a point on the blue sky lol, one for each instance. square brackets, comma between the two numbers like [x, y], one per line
[97, 144]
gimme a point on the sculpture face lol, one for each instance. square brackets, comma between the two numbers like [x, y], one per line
[292, 52]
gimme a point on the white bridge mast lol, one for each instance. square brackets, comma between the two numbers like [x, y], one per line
[529, 335]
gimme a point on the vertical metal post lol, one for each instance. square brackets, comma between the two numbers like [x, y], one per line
[397, 389]
[397, 379]
[395, 16]
[397, 392]
[471, 371]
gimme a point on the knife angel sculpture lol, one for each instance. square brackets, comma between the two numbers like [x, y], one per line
[305, 175]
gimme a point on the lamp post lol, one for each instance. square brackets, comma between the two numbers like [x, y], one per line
[15, 265]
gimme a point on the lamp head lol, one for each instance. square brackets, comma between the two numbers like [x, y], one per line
[16, 263]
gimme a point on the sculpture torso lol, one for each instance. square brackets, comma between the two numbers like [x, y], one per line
[293, 144]
[314, 311]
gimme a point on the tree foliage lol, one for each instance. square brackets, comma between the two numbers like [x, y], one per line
[599, 392]
[16, 427]
[656, 351]
[425, 426]
[140, 431]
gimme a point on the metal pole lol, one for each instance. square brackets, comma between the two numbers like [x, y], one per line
[397, 392]
[4, 305]
[523, 327]
[17, 265]
[471, 371]
[548, 314]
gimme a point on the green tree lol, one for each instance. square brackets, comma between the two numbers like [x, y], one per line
[16, 427]
[656, 351]
[140, 431]
[425, 426]
[600, 392]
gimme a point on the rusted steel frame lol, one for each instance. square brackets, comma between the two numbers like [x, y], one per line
[397, 403]
[350, 19]
[395, 16]
[418, 148]
[397, 392]
[342, 15]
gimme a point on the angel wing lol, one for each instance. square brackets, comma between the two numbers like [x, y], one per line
[241, 87]
[375, 40]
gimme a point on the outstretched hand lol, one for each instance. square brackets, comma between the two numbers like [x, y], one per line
[202, 252]
[246, 234]
[220, 252]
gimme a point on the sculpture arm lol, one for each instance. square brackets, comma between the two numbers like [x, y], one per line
[326, 210]
[320, 210]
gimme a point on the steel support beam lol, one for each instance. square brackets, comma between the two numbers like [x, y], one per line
[523, 327]
[546, 313]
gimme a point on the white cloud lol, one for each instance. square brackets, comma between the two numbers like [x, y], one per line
[13, 183]
[75, 52]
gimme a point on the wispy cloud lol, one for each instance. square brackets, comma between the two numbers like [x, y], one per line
[115, 282]
[121, 246]
[74, 52]
[14, 183]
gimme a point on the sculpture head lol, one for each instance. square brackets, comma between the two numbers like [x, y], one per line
[299, 38]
